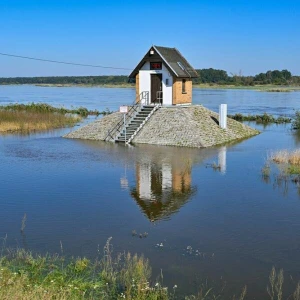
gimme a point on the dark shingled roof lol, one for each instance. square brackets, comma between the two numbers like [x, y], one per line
[173, 60]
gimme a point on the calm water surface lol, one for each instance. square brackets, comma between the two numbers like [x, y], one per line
[235, 225]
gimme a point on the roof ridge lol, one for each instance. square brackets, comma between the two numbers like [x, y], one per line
[164, 47]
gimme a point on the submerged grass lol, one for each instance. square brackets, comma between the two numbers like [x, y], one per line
[278, 90]
[261, 119]
[286, 157]
[287, 168]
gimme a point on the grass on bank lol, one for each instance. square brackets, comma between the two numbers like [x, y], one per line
[25, 276]
[25, 118]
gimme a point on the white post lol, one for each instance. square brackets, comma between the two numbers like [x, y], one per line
[223, 116]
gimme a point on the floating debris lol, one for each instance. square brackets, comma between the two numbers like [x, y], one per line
[191, 252]
[140, 235]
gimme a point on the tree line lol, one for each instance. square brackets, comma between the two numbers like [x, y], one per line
[276, 77]
[92, 80]
[206, 76]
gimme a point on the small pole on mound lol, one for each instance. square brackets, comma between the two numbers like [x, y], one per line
[124, 111]
[223, 116]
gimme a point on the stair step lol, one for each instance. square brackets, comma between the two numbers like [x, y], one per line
[135, 123]
[139, 118]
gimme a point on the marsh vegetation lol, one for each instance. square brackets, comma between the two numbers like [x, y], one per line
[261, 119]
[40, 116]
[284, 166]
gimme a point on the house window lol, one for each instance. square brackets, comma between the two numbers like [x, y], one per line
[155, 65]
[183, 86]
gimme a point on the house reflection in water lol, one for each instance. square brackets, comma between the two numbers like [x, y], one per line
[164, 178]
[162, 187]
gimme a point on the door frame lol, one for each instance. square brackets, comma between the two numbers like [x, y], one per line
[153, 97]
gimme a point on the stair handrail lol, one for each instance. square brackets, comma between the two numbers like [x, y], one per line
[113, 133]
[155, 108]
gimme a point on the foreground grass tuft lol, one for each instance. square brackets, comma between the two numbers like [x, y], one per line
[25, 276]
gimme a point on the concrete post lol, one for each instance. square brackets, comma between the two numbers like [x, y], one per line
[223, 116]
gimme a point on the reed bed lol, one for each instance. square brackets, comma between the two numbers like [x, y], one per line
[41, 116]
[25, 121]
[286, 157]
[47, 108]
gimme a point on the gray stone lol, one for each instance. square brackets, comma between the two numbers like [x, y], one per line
[190, 126]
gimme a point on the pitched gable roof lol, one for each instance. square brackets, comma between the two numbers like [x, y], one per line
[173, 60]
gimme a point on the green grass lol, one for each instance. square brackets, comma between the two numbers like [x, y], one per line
[25, 276]
[278, 90]
[261, 119]
[46, 108]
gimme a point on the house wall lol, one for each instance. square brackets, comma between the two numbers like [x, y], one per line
[144, 82]
[178, 96]
[137, 86]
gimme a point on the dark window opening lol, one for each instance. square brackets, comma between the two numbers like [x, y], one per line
[155, 65]
[183, 86]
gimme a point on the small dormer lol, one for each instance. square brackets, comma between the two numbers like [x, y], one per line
[166, 75]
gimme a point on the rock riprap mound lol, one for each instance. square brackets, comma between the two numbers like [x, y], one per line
[189, 126]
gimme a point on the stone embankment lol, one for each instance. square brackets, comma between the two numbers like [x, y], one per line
[190, 126]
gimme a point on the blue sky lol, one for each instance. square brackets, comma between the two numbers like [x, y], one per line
[235, 35]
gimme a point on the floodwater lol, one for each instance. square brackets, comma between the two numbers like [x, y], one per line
[228, 226]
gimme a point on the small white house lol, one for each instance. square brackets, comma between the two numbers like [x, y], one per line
[166, 75]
